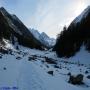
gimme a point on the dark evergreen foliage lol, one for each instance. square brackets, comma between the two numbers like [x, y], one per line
[70, 39]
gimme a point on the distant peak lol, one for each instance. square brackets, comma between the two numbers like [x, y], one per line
[2, 8]
[44, 35]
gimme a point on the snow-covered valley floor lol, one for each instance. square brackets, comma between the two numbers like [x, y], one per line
[27, 69]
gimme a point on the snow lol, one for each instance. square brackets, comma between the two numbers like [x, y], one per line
[7, 44]
[82, 56]
[27, 74]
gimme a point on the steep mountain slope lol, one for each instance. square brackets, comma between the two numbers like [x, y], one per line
[43, 38]
[11, 27]
[82, 15]
[72, 38]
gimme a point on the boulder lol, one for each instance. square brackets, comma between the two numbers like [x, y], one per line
[50, 72]
[76, 79]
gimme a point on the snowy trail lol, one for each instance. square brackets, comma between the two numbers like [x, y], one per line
[29, 78]
[20, 74]
[10, 75]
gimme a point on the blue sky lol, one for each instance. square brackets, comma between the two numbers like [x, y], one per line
[46, 15]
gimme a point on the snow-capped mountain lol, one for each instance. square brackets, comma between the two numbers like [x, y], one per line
[43, 38]
[11, 27]
[51, 41]
[35, 33]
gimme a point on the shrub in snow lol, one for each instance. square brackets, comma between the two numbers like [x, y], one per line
[56, 66]
[33, 57]
[18, 58]
[86, 72]
[69, 74]
[17, 47]
[76, 79]
[4, 51]
[4, 68]
[10, 51]
[47, 66]
[0, 56]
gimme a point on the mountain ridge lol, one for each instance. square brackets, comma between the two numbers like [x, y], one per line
[82, 15]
